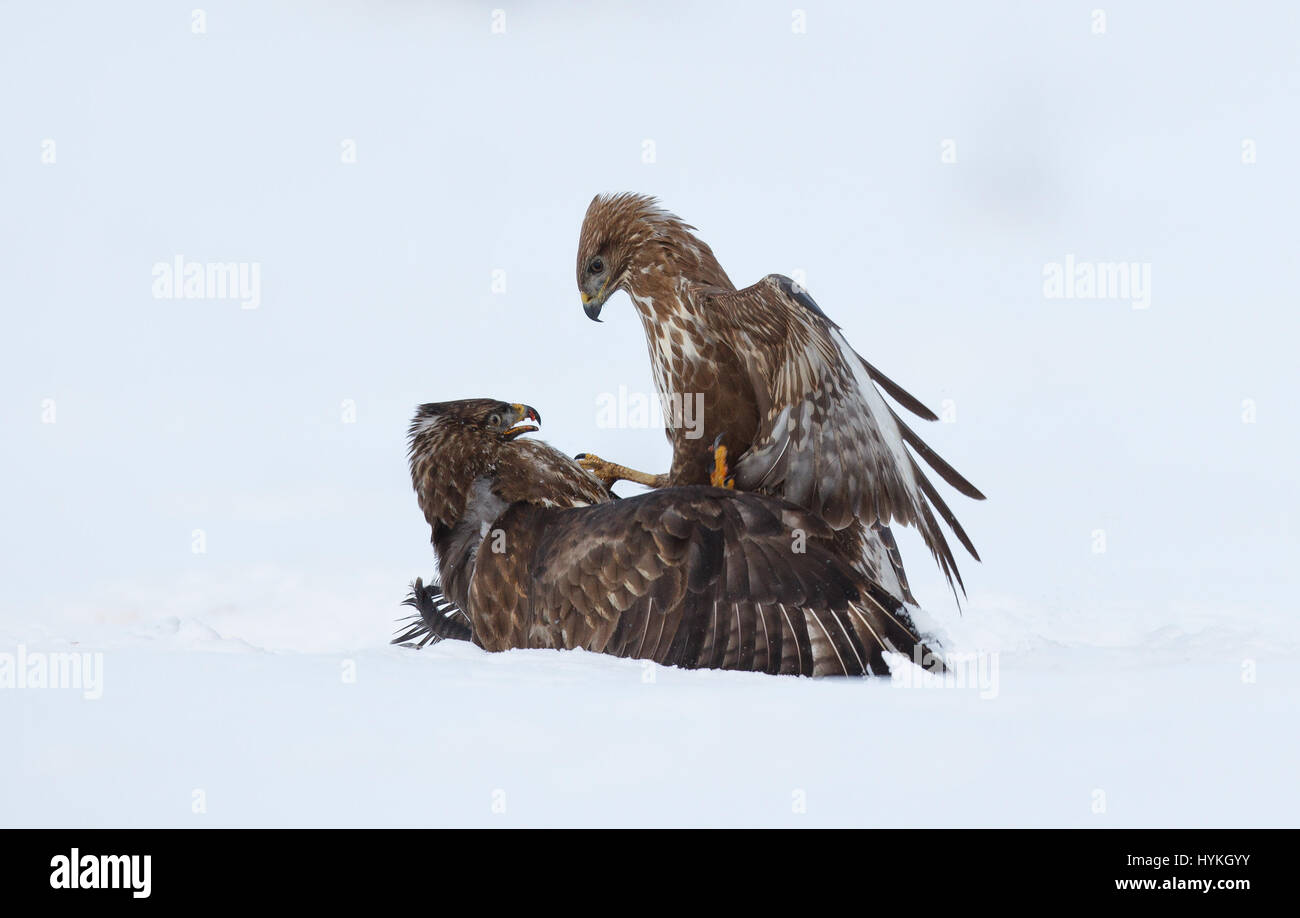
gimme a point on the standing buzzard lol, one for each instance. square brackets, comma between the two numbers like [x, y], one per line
[536, 553]
[789, 397]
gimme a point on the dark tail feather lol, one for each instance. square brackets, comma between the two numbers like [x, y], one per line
[436, 618]
[889, 627]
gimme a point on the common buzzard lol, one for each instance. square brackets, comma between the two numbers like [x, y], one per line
[788, 395]
[536, 553]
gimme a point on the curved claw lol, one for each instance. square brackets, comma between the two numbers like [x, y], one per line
[604, 472]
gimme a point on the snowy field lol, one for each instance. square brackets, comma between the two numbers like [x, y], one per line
[266, 708]
[211, 500]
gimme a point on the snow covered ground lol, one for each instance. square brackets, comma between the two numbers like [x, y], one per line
[215, 497]
[287, 709]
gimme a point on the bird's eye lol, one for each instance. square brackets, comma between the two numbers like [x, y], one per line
[494, 421]
[597, 265]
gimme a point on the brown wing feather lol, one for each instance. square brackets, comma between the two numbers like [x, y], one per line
[694, 577]
[899, 394]
[533, 471]
[827, 439]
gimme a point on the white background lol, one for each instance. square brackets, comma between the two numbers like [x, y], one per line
[817, 152]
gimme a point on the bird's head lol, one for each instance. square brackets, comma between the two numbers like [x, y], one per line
[615, 245]
[491, 419]
[453, 444]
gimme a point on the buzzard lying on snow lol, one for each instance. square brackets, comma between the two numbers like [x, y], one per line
[534, 552]
[781, 386]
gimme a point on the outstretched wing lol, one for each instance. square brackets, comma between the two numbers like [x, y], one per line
[703, 577]
[827, 438]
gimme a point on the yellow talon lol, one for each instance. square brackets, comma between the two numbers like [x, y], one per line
[605, 472]
[720, 477]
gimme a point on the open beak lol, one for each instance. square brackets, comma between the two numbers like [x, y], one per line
[523, 413]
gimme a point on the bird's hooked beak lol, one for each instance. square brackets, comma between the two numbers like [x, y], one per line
[522, 413]
[592, 305]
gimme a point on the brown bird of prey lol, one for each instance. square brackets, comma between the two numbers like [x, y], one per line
[533, 552]
[795, 405]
